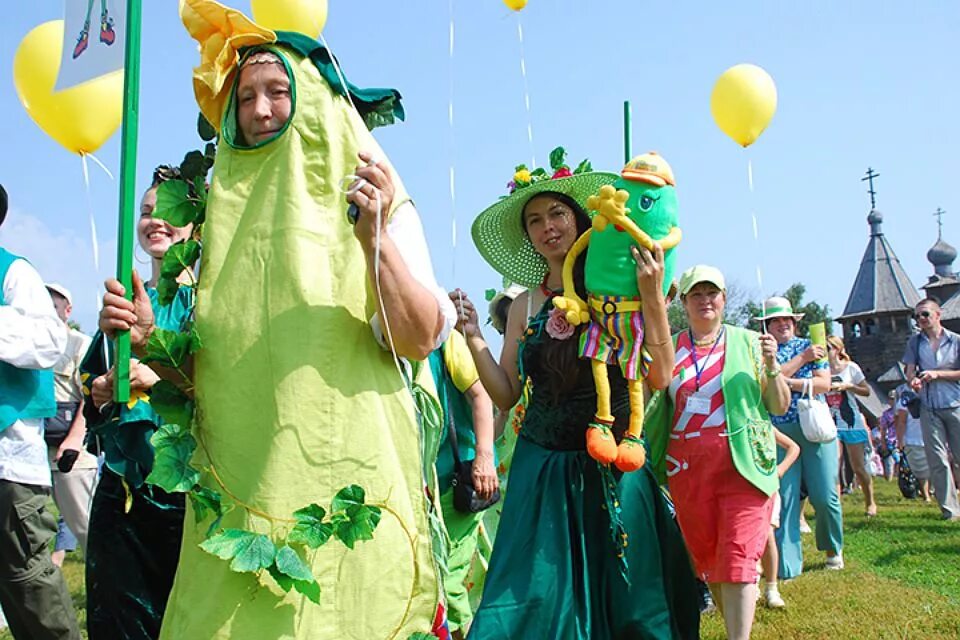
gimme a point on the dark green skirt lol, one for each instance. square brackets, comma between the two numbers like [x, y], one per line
[554, 573]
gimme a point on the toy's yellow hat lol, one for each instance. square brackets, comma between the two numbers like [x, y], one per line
[651, 168]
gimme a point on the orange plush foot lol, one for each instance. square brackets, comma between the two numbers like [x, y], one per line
[631, 454]
[600, 443]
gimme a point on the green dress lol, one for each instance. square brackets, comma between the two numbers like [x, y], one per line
[555, 572]
[133, 549]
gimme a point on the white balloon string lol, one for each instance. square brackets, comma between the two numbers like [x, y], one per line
[376, 257]
[95, 245]
[756, 239]
[452, 155]
[336, 67]
[526, 94]
[101, 165]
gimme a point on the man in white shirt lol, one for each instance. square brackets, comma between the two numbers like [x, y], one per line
[65, 433]
[33, 593]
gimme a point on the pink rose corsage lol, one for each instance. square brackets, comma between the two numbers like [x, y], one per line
[557, 326]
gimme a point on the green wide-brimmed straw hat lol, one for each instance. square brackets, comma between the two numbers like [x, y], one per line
[498, 230]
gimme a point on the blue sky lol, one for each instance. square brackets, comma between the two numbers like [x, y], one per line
[860, 84]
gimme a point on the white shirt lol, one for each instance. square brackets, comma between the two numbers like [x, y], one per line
[406, 231]
[31, 337]
[912, 435]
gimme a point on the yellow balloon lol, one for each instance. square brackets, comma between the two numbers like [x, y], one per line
[303, 16]
[743, 102]
[80, 118]
[516, 5]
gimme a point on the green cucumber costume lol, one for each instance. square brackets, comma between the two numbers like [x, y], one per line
[295, 398]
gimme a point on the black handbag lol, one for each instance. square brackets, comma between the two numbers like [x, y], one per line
[56, 427]
[465, 497]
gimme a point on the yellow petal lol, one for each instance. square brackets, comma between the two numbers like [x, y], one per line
[221, 33]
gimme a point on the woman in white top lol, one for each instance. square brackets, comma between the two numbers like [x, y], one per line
[846, 382]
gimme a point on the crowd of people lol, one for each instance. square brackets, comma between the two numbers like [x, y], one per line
[301, 309]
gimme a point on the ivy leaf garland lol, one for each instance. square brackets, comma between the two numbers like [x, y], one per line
[173, 447]
[182, 201]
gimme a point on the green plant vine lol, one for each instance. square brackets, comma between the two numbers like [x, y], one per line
[282, 554]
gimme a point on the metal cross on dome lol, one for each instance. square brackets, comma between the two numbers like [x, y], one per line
[938, 214]
[873, 194]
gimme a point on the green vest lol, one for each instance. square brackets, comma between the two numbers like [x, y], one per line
[24, 393]
[752, 444]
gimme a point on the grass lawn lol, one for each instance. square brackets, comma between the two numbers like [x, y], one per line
[902, 580]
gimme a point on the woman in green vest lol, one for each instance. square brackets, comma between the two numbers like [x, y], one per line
[710, 433]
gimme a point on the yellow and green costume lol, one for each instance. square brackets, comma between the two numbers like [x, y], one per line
[295, 398]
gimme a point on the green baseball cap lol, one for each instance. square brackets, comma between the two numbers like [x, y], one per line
[701, 273]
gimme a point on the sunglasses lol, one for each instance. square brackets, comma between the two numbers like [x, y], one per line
[922, 314]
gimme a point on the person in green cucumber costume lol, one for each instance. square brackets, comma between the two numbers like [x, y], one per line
[295, 397]
[640, 209]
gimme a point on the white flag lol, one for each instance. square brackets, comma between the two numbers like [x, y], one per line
[94, 36]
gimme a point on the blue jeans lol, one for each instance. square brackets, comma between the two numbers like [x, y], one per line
[66, 541]
[819, 469]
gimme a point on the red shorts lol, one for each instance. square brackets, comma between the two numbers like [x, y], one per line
[725, 520]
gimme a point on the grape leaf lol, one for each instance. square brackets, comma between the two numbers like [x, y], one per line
[172, 404]
[348, 497]
[167, 290]
[168, 348]
[285, 582]
[174, 203]
[204, 129]
[310, 589]
[181, 255]
[174, 446]
[204, 502]
[193, 165]
[247, 551]
[195, 342]
[310, 528]
[357, 523]
[289, 563]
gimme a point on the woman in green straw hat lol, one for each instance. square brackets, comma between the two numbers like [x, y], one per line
[571, 559]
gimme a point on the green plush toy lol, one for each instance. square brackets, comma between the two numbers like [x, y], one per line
[639, 209]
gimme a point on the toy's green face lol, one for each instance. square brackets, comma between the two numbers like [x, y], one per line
[652, 208]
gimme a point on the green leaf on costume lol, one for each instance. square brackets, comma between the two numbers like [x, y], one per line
[348, 497]
[420, 635]
[181, 255]
[172, 404]
[556, 158]
[195, 342]
[538, 174]
[168, 348]
[204, 129]
[167, 290]
[353, 520]
[309, 589]
[520, 167]
[193, 165]
[247, 551]
[285, 582]
[173, 446]
[490, 294]
[174, 203]
[583, 167]
[205, 501]
[289, 563]
[310, 528]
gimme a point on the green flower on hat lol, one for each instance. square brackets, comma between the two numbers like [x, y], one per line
[498, 231]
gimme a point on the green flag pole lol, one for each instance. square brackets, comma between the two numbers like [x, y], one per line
[128, 179]
[627, 132]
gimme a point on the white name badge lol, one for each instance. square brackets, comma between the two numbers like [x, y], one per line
[697, 405]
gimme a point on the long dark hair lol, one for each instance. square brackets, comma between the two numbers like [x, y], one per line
[560, 357]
